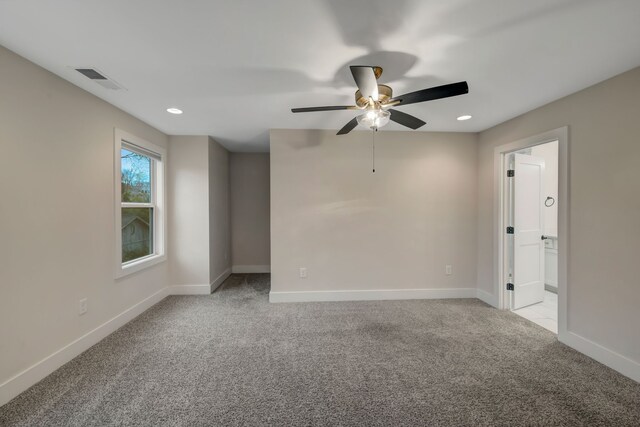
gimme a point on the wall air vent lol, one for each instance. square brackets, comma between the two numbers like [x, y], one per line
[100, 78]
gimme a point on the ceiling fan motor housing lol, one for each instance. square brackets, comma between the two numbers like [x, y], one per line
[384, 95]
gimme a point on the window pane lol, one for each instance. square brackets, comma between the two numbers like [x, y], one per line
[137, 233]
[136, 177]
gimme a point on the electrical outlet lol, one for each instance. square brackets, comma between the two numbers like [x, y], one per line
[82, 306]
[303, 272]
[448, 270]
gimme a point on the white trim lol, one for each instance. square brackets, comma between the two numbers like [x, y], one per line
[159, 196]
[251, 269]
[610, 358]
[562, 136]
[139, 264]
[189, 290]
[199, 289]
[486, 297]
[220, 279]
[38, 371]
[371, 295]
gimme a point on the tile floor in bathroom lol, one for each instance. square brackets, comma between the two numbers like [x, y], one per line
[544, 313]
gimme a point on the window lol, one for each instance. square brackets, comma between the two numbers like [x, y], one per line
[139, 191]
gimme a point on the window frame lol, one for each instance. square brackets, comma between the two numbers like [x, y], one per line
[157, 202]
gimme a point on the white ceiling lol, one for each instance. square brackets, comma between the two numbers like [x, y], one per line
[236, 67]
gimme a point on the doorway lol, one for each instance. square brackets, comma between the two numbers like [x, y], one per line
[532, 228]
[532, 243]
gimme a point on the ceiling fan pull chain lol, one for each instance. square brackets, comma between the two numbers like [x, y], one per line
[373, 149]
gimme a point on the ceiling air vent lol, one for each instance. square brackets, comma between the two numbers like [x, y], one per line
[100, 78]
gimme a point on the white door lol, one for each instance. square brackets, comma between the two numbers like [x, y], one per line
[528, 222]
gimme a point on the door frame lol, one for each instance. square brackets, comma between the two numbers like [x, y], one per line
[500, 218]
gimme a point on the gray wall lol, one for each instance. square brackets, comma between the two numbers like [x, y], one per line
[188, 207]
[57, 214]
[355, 230]
[604, 207]
[199, 243]
[219, 221]
[250, 215]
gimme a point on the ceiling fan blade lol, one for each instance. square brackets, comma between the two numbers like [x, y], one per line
[438, 92]
[348, 127]
[329, 108]
[366, 81]
[406, 119]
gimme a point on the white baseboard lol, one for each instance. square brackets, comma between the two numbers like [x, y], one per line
[189, 290]
[610, 358]
[200, 289]
[371, 295]
[486, 297]
[221, 278]
[35, 373]
[251, 269]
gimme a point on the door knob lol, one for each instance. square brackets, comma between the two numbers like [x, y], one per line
[544, 237]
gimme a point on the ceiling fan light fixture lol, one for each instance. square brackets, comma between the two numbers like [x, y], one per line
[374, 119]
[377, 101]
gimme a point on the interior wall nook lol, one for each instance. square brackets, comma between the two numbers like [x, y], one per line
[250, 215]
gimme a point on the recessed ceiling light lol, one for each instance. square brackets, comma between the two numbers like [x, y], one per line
[173, 110]
[465, 117]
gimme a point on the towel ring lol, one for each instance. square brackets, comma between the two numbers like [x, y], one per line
[546, 202]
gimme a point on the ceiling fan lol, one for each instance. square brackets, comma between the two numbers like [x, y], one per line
[376, 101]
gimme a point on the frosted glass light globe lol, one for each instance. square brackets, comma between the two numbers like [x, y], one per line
[374, 119]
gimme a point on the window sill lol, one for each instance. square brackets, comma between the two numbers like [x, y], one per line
[139, 265]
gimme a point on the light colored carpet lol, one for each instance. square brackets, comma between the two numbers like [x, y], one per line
[234, 359]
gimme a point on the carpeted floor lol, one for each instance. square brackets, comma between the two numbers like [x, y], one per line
[234, 359]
